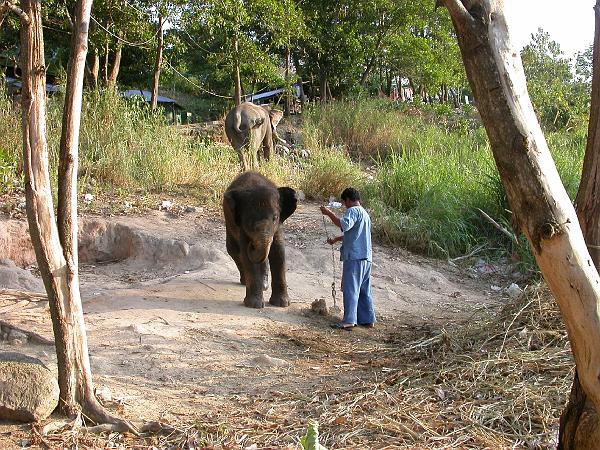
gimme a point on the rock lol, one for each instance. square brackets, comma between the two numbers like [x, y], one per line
[13, 277]
[28, 389]
[15, 334]
[514, 291]
[320, 307]
[268, 361]
[104, 394]
[166, 205]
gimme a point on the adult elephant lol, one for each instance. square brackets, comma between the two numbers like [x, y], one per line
[248, 127]
[255, 210]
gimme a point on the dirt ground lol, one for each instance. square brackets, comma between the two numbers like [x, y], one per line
[170, 339]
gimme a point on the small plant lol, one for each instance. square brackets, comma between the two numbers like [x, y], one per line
[310, 441]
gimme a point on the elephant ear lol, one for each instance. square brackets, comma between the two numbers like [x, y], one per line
[276, 116]
[287, 202]
[229, 207]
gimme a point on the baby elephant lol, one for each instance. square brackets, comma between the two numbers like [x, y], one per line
[255, 210]
[249, 126]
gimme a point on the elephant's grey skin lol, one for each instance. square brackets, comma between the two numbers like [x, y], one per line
[255, 210]
[249, 126]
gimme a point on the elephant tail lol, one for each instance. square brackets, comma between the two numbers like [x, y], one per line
[238, 126]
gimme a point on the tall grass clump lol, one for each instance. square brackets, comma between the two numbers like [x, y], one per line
[372, 129]
[435, 173]
[328, 172]
[430, 201]
[11, 141]
[123, 143]
[568, 149]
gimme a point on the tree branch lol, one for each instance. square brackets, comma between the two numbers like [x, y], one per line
[9, 5]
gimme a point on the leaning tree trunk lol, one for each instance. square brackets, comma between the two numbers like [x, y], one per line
[588, 197]
[158, 62]
[540, 204]
[56, 247]
[580, 419]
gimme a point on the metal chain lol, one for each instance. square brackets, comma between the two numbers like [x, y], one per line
[333, 284]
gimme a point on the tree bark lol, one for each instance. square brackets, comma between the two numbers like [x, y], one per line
[579, 420]
[236, 74]
[56, 246]
[371, 62]
[94, 69]
[116, 66]
[159, 53]
[288, 98]
[106, 53]
[541, 206]
[323, 87]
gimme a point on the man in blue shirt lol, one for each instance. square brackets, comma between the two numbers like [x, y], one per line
[356, 256]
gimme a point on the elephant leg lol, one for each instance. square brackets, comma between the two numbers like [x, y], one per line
[253, 274]
[268, 146]
[279, 289]
[234, 251]
[243, 160]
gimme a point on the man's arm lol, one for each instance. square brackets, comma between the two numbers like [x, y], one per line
[335, 219]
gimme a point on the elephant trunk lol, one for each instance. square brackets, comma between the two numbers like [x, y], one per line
[258, 252]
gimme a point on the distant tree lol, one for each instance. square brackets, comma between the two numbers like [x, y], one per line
[557, 98]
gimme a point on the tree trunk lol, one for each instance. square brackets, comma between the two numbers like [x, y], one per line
[541, 206]
[371, 62]
[94, 69]
[236, 74]
[105, 71]
[288, 97]
[56, 253]
[114, 72]
[159, 52]
[323, 87]
[579, 420]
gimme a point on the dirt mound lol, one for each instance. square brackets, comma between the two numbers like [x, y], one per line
[13, 277]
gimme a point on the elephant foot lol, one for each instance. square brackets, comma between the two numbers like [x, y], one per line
[254, 301]
[282, 300]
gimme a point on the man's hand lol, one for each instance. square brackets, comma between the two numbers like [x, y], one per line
[333, 240]
[325, 211]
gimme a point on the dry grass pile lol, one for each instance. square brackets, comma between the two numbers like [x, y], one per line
[495, 383]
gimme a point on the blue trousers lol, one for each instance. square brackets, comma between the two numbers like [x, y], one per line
[356, 287]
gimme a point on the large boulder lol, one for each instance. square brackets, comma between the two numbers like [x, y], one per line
[28, 389]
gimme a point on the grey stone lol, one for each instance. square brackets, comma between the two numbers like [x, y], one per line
[29, 391]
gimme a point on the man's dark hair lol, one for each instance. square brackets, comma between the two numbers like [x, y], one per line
[350, 194]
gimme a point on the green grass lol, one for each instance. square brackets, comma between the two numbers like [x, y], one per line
[434, 172]
[424, 172]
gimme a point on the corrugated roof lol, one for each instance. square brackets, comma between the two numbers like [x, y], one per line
[147, 95]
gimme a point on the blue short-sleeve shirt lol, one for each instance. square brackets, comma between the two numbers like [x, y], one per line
[356, 225]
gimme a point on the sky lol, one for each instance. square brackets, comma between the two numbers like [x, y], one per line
[570, 23]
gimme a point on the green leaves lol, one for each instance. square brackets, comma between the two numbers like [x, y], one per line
[560, 99]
